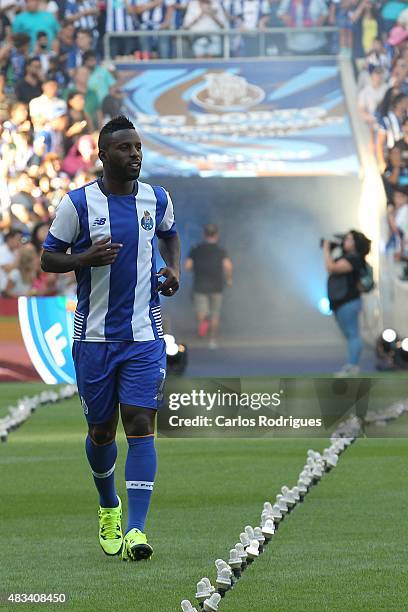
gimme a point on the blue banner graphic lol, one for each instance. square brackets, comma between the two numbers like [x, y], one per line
[241, 118]
[47, 327]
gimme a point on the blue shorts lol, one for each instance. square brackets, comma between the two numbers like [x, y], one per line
[127, 372]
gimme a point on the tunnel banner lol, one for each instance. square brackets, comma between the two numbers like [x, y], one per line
[241, 118]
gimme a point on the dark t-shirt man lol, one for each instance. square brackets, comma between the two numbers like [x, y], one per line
[208, 267]
[25, 92]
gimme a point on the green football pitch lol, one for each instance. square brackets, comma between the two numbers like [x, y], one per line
[344, 548]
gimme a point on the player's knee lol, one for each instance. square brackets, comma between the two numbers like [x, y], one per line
[139, 423]
[100, 434]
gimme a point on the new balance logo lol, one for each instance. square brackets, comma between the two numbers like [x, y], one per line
[100, 221]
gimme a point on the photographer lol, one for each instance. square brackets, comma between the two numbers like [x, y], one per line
[344, 291]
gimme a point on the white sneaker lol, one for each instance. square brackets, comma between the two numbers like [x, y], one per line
[212, 344]
[347, 370]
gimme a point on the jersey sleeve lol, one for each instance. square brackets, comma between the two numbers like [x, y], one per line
[64, 229]
[166, 225]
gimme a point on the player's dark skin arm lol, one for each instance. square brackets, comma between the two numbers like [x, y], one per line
[102, 253]
[170, 251]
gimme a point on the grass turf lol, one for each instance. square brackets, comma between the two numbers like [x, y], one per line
[342, 549]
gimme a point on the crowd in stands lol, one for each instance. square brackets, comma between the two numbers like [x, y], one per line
[57, 89]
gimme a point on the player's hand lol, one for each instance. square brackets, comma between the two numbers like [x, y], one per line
[171, 284]
[102, 253]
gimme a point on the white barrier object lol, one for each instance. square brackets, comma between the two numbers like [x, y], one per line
[281, 504]
[253, 550]
[186, 606]
[268, 529]
[234, 562]
[202, 591]
[208, 584]
[288, 497]
[250, 532]
[245, 541]
[277, 514]
[258, 535]
[211, 604]
[223, 581]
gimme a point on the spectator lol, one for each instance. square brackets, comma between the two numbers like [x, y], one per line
[11, 7]
[153, 16]
[13, 58]
[82, 14]
[30, 86]
[112, 105]
[249, 15]
[6, 100]
[81, 156]
[8, 254]
[119, 20]
[303, 14]
[180, 7]
[79, 122]
[370, 25]
[397, 170]
[52, 133]
[5, 25]
[100, 79]
[81, 84]
[205, 16]
[22, 204]
[390, 12]
[58, 73]
[64, 44]
[41, 50]
[378, 56]
[16, 149]
[45, 106]
[33, 20]
[212, 270]
[83, 44]
[397, 216]
[390, 129]
[20, 280]
[370, 97]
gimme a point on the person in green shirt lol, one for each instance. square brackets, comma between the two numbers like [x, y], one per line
[100, 79]
[32, 20]
[92, 106]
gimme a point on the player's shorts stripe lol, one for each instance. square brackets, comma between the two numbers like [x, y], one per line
[139, 484]
[104, 474]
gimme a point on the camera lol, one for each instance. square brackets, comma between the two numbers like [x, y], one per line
[333, 244]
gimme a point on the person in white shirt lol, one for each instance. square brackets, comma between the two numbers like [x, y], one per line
[370, 97]
[205, 16]
[45, 106]
[304, 14]
[20, 279]
[8, 255]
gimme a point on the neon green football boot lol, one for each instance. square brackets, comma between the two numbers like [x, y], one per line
[135, 546]
[110, 529]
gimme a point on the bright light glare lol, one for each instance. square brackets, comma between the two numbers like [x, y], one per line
[404, 344]
[389, 335]
[324, 306]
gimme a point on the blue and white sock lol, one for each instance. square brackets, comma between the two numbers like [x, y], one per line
[102, 461]
[140, 471]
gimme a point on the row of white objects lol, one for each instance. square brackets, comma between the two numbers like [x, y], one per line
[253, 539]
[25, 407]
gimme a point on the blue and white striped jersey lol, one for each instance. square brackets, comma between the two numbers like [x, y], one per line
[117, 302]
[118, 19]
